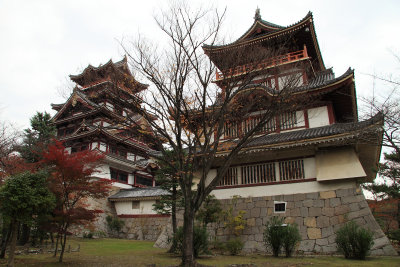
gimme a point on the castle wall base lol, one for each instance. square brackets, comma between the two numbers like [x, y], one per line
[318, 215]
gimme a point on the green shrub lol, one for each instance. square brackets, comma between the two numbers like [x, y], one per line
[290, 239]
[88, 235]
[277, 236]
[394, 235]
[114, 223]
[273, 235]
[200, 240]
[234, 246]
[354, 241]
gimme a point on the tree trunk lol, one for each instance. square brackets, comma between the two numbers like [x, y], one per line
[5, 239]
[63, 242]
[173, 218]
[398, 212]
[57, 239]
[188, 222]
[25, 232]
[14, 233]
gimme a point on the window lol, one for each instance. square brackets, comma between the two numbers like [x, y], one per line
[141, 180]
[291, 170]
[231, 129]
[135, 205]
[259, 173]
[279, 207]
[252, 122]
[288, 120]
[119, 176]
[230, 178]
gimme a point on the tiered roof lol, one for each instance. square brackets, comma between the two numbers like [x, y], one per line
[262, 31]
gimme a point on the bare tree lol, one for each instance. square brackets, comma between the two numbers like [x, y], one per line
[9, 138]
[190, 113]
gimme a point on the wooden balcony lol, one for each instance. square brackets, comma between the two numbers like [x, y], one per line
[264, 64]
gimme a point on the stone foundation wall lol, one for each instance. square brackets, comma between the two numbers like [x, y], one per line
[318, 215]
[144, 228]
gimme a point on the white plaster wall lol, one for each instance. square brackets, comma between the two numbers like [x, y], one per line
[68, 149]
[309, 168]
[338, 164]
[104, 173]
[103, 147]
[131, 178]
[131, 156]
[300, 119]
[282, 189]
[125, 207]
[318, 116]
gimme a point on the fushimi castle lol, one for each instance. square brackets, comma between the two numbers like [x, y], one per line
[305, 165]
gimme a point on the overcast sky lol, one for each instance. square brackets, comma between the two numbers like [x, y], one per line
[42, 42]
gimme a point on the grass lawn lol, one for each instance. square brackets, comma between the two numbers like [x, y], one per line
[120, 252]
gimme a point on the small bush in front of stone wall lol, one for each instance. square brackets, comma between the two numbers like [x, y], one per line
[200, 240]
[114, 223]
[354, 241]
[290, 239]
[278, 235]
[234, 246]
[273, 235]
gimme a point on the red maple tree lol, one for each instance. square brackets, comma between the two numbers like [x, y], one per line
[72, 182]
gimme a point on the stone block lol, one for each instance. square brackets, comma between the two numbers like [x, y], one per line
[332, 239]
[363, 204]
[342, 218]
[334, 202]
[349, 199]
[328, 211]
[270, 211]
[319, 203]
[298, 204]
[250, 205]
[310, 222]
[354, 206]
[314, 212]
[327, 194]
[389, 251]
[307, 245]
[334, 220]
[289, 220]
[308, 203]
[259, 222]
[267, 198]
[288, 197]
[377, 252]
[322, 241]
[259, 238]
[255, 212]
[360, 221]
[317, 248]
[327, 231]
[323, 221]
[380, 242]
[278, 198]
[344, 192]
[295, 212]
[251, 222]
[299, 197]
[329, 249]
[263, 212]
[261, 204]
[339, 210]
[299, 221]
[290, 205]
[312, 195]
[314, 233]
[359, 213]
[304, 212]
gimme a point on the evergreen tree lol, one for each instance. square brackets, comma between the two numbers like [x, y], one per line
[37, 138]
[390, 171]
[167, 178]
[23, 197]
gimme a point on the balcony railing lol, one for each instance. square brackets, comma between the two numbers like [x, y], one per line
[267, 63]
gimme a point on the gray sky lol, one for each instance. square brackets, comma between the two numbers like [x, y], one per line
[42, 42]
